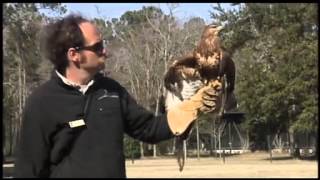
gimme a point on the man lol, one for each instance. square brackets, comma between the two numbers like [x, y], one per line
[73, 125]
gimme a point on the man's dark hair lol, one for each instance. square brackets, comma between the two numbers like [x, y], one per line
[58, 36]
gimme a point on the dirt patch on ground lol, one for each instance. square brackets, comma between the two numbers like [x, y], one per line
[247, 165]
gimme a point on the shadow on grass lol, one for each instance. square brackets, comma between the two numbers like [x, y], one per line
[309, 158]
[214, 155]
[279, 158]
[282, 158]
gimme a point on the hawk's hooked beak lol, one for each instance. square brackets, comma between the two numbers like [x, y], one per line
[219, 28]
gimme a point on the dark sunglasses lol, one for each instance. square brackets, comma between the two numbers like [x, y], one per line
[96, 48]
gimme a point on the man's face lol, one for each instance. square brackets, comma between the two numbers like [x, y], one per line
[93, 54]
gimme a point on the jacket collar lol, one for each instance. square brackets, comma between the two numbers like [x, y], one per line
[66, 82]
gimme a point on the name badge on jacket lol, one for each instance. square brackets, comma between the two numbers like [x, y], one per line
[76, 123]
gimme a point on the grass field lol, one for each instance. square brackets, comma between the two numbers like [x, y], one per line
[247, 165]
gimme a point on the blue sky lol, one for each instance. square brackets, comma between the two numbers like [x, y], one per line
[184, 11]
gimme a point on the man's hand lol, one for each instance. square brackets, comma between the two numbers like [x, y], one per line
[207, 99]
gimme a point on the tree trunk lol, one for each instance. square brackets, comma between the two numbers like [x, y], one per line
[215, 135]
[211, 138]
[247, 140]
[291, 143]
[18, 118]
[156, 114]
[317, 148]
[185, 149]
[154, 150]
[198, 140]
[173, 149]
[141, 150]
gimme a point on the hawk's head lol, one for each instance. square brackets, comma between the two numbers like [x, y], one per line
[209, 43]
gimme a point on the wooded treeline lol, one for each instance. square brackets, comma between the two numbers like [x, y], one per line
[274, 47]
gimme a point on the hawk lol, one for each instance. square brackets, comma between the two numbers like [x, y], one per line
[208, 63]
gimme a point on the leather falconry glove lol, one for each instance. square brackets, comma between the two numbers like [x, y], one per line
[205, 100]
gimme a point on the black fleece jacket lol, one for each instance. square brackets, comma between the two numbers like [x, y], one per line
[50, 147]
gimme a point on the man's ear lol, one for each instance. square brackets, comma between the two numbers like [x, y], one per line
[73, 55]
